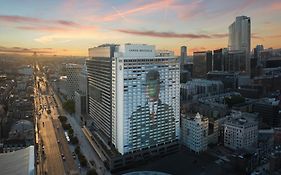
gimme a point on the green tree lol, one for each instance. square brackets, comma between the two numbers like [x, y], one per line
[69, 106]
[92, 172]
[235, 99]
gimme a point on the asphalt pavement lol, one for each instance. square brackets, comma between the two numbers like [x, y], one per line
[55, 157]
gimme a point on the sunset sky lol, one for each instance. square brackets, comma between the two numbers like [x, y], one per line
[70, 27]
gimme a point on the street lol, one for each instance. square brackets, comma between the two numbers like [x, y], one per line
[52, 141]
[54, 155]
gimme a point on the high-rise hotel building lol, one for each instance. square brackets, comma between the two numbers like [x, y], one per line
[99, 68]
[145, 98]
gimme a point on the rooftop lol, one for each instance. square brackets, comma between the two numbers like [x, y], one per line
[269, 101]
[18, 162]
[238, 118]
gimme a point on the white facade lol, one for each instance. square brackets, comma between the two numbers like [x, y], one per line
[72, 81]
[240, 130]
[194, 132]
[137, 121]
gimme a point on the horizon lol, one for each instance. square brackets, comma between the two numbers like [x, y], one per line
[73, 26]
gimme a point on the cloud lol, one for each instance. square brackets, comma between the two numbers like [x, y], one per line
[23, 19]
[22, 50]
[256, 36]
[129, 10]
[44, 25]
[171, 34]
[220, 35]
[18, 19]
[42, 28]
[274, 36]
[197, 49]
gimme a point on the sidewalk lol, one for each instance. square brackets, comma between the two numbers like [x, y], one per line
[85, 146]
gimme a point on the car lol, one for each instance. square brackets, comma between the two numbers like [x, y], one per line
[62, 156]
[73, 155]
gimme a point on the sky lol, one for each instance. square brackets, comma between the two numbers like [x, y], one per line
[70, 27]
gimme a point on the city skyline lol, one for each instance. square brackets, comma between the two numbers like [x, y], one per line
[70, 27]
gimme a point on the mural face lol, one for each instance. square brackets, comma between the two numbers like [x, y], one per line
[153, 85]
[154, 122]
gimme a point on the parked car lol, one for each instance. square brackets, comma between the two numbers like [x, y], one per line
[73, 155]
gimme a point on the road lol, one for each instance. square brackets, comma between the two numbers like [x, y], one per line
[85, 145]
[52, 141]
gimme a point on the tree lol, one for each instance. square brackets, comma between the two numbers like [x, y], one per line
[92, 172]
[62, 119]
[69, 106]
[74, 140]
[232, 100]
[77, 150]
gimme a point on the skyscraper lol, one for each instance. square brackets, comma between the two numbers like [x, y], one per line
[219, 59]
[257, 52]
[145, 98]
[240, 37]
[183, 54]
[236, 61]
[202, 63]
[99, 68]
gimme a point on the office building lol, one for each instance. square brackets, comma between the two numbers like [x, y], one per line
[194, 132]
[270, 79]
[80, 105]
[99, 68]
[185, 65]
[275, 161]
[240, 37]
[186, 72]
[200, 87]
[202, 63]
[72, 72]
[273, 62]
[229, 79]
[236, 61]
[241, 130]
[219, 59]
[81, 100]
[145, 99]
[268, 110]
[183, 54]
[257, 52]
